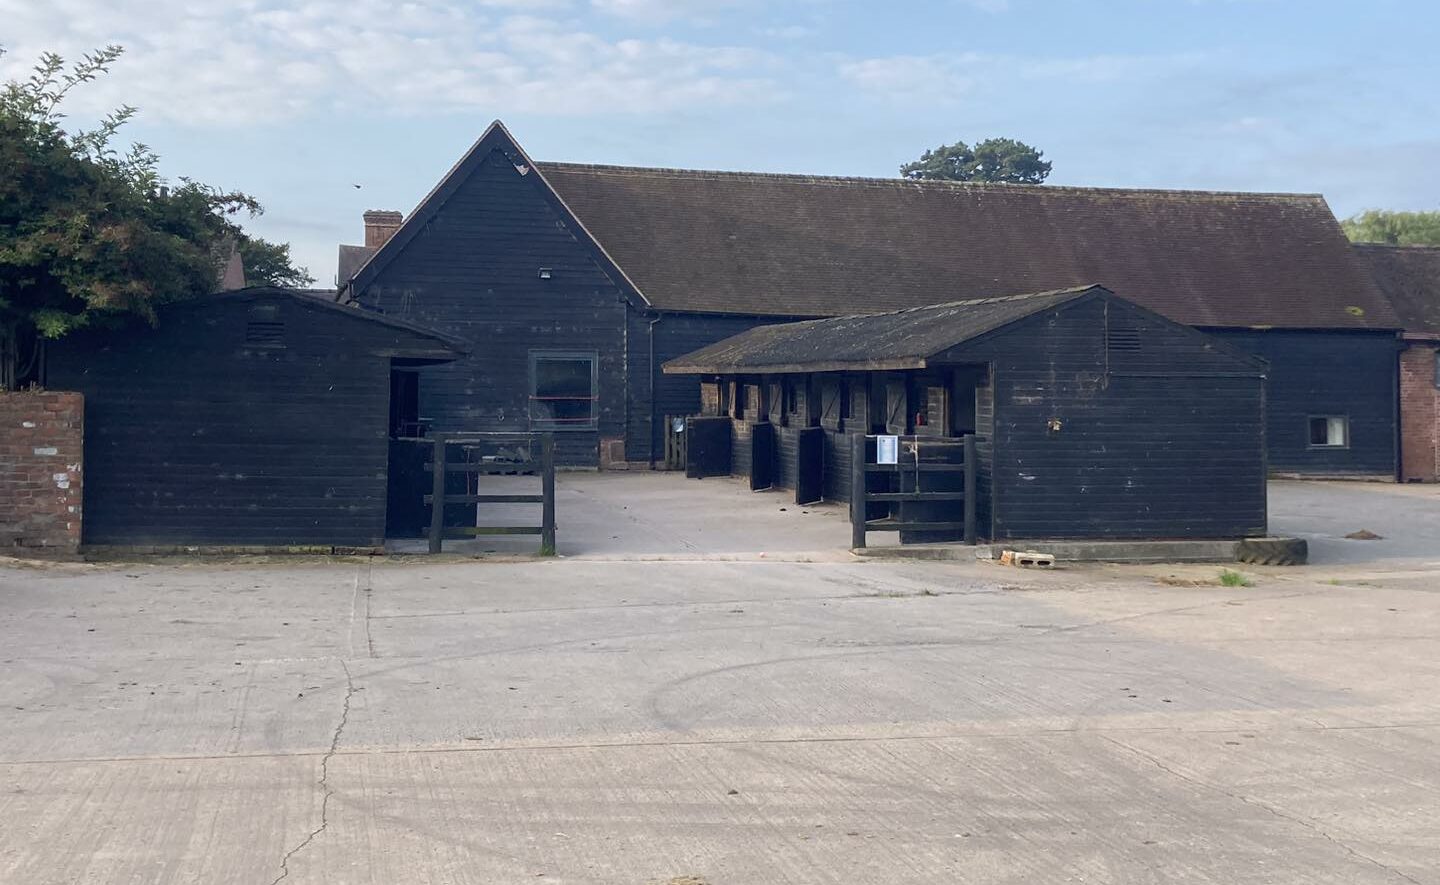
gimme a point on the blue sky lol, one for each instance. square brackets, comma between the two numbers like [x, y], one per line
[298, 102]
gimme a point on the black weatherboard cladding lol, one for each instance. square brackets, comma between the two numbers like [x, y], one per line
[673, 335]
[1163, 440]
[710, 254]
[238, 420]
[474, 270]
[1350, 374]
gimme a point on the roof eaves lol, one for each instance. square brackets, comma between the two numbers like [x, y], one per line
[676, 367]
[1044, 301]
[319, 298]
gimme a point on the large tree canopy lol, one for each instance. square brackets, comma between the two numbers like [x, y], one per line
[1002, 160]
[88, 233]
[1394, 228]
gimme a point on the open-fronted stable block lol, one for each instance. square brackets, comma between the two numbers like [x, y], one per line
[1089, 418]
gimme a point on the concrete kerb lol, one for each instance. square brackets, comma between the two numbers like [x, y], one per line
[1137, 552]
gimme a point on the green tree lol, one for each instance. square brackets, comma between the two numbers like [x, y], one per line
[1394, 228]
[269, 264]
[1000, 160]
[90, 235]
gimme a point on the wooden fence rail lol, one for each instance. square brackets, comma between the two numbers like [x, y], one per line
[913, 472]
[543, 466]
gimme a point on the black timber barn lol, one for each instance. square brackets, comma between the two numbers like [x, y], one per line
[1092, 417]
[574, 283]
[255, 418]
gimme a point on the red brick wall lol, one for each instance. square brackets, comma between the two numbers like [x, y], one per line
[40, 469]
[1419, 415]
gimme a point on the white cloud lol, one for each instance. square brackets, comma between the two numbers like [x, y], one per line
[908, 74]
[787, 32]
[256, 61]
[657, 11]
[942, 78]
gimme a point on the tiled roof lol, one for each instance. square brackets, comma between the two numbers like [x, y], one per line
[1410, 277]
[792, 245]
[899, 339]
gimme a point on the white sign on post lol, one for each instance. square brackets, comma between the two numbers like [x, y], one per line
[887, 450]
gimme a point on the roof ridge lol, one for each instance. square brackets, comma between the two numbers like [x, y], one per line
[964, 302]
[869, 181]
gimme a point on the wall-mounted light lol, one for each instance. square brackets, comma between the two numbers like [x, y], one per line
[544, 273]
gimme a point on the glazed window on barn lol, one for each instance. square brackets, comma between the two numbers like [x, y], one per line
[563, 390]
[1329, 432]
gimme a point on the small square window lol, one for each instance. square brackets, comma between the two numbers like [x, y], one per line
[1330, 431]
[562, 391]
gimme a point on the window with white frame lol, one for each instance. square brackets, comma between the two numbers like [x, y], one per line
[1329, 431]
[562, 390]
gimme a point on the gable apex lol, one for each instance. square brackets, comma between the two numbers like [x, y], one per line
[495, 137]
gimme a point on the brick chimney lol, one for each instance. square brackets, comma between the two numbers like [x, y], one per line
[380, 225]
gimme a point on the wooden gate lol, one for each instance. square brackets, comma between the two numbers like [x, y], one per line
[676, 441]
[490, 454]
[809, 465]
[707, 451]
[934, 478]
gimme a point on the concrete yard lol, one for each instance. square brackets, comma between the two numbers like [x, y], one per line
[717, 717]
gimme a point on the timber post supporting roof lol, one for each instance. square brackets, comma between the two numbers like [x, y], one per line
[891, 341]
[1410, 277]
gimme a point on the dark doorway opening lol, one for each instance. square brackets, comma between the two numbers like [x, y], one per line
[405, 404]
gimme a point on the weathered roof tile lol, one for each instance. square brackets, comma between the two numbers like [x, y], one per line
[1410, 277]
[792, 245]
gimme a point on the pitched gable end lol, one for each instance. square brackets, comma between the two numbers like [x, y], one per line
[495, 138]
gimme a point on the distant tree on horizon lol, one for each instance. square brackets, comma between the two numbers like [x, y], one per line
[994, 160]
[1393, 228]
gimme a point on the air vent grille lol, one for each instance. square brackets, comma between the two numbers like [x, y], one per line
[1123, 340]
[259, 333]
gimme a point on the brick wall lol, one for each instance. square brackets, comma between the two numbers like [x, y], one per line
[1419, 415]
[40, 469]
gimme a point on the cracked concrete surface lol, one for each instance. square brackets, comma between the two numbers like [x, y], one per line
[324, 782]
[380, 721]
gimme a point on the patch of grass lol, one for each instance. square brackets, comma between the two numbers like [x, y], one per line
[1230, 578]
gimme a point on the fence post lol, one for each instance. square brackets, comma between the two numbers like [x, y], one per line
[857, 491]
[547, 523]
[437, 496]
[971, 492]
